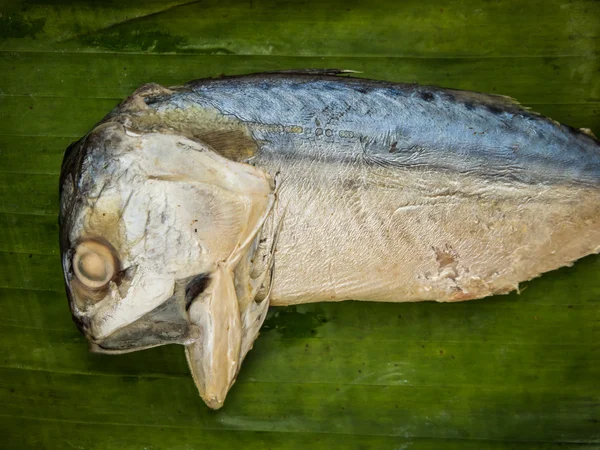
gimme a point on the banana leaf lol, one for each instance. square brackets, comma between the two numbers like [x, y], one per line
[519, 371]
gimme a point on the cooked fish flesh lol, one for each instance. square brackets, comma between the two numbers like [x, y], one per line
[188, 210]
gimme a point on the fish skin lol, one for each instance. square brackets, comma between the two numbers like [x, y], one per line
[455, 130]
[330, 188]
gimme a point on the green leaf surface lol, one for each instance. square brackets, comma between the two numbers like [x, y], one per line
[519, 371]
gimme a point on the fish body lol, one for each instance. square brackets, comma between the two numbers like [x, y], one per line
[195, 207]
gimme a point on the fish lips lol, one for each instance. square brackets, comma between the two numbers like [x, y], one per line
[166, 324]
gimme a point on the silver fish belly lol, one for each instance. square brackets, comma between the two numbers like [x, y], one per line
[189, 210]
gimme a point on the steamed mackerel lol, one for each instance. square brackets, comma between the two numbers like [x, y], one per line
[188, 210]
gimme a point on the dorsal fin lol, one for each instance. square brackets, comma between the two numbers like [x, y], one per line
[321, 72]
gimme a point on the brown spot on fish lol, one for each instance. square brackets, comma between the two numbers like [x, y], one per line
[170, 177]
[447, 260]
[461, 295]
[351, 184]
[232, 144]
[394, 147]
[296, 129]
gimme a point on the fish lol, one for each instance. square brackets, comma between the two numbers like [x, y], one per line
[189, 210]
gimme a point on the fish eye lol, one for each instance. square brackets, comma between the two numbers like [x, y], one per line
[94, 264]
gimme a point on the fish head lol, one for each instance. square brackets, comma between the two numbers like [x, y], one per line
[145, 219]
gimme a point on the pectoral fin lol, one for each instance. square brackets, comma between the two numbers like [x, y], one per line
[252, 320]
[214, 358]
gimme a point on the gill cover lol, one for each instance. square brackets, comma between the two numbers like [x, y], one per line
[142, 216]
[225, 313]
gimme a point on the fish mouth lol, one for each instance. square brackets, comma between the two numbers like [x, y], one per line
[166, 324]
